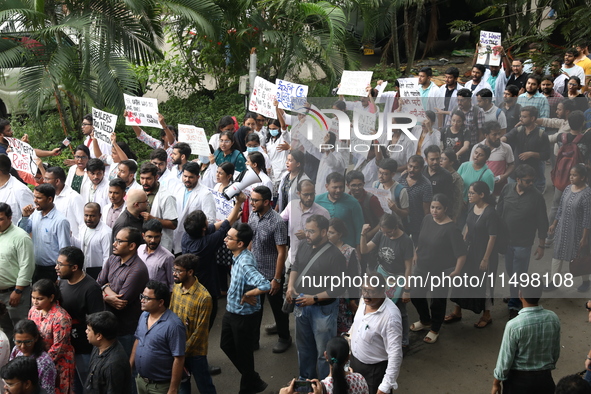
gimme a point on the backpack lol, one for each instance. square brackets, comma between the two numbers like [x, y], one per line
[568, 155]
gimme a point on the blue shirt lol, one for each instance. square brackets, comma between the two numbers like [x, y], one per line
[538, 100]
[245, 277]
[50, 233]
[158, 346]
[236, 158]
[347, 209]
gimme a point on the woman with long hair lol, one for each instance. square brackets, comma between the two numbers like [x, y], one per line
[440, 249]
[77, 173]
[55, 326]
[287, 188]
[425, 133]
[572, 222]
[224, 176]
[28, 343]
[573, 90]
[228, 152]
[481, 235]
[277, 138]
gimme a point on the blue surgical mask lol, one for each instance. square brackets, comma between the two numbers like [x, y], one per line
[251, 149]
[274, 132]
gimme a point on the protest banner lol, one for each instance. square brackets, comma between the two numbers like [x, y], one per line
[380, 88]
[487, 54]
[223, 206]
[354, 83]
[196, 138]
[141, 111]
[103, 124]
[22, 156]
[263, 97]
[410, 98]
[382, 195]
[287, 92]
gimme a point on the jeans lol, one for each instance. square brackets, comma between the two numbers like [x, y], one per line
[82, 364]
[516, 262]
[199, 368]
[314, 328]
[405, 326]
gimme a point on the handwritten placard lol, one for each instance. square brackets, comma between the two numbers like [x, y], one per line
[354, 83]
[141, 111]
[196, 138]
[488, 55]
[22, 156]
[263, 97]
[104, 125]
[223, 207]
[287, 91]
[410, 98]
[382, 195]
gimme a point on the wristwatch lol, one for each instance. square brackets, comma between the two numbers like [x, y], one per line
[316, 299]
[277, 280]
[18, 291]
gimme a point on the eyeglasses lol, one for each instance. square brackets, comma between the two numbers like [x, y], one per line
[86, 124]
[230, 238]
[225, 142]
[370, 292]
[177, 271]
[143, 202]
[80, 157]
[28, 342]
[307, 231]
[146, 298]
[120, 241]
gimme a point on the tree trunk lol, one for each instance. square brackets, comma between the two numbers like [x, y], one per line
[394, 34]
[413, 38]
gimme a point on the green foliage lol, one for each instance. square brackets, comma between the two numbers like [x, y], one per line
[385, 73]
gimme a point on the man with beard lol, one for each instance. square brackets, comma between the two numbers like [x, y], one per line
[81, 296]
[514, 72]
[446, 102]
[501, 161]
[440, 179]
[87, 131]
[569, 67]
[181, 152]
[126, 171]
[157, 259]
[94, 238]
[474, 116]
[427, 88]
[532, 97]
[67, 201]
[191, 197]
[97, 190]
[553, 97]
[559, 78]
[317, 305]
[376, 351]
[159, 158]
[524, 210]
[370, 204]
[510, 108]
[477, 83]
[162, 203]
[484, 99]
[116, 204]
[49, 228]
[137, 202]
[192, 304]
[420, 194]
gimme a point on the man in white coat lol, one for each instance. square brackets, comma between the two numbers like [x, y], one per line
[94, 239]
[190, 197]
[12, 191]
[67, 201]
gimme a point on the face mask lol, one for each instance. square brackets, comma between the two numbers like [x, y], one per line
[274, 132]
[251, 149]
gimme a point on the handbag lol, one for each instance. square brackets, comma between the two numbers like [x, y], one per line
[581, 264]
[288, 307]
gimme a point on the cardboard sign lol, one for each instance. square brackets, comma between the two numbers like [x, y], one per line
[22, 156]
[223, 207]
[141, 111]
[381, 88]
[263, 97]
[287, 92]
[354, 83]
[487, 55]
[383, 196]
[410, 98]
[104, 125]
[196, 138]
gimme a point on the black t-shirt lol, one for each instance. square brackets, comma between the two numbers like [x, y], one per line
[454, 141]
[79, 300]
[519, 82]
[392, 253]
[439, 246]
[331, 263]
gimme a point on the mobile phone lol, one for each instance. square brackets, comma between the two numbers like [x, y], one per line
[302, 386]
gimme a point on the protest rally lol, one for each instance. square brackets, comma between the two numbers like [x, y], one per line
[306, 242]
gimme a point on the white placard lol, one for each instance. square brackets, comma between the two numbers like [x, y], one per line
[141, 111]
[103, 124]
[381, 88]
[383, 196]
[22, 156]
[262, 98]
[196, 138]
[354, 83]
[410, 98]
[486, 53]
[223, 206]
[287, 92]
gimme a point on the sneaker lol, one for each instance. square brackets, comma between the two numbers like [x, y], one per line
[549, 242]
[584, 286]
[271, 329]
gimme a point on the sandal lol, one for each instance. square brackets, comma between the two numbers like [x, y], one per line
[431, 337]
[452, 318]
[478, 324]
[418, 326]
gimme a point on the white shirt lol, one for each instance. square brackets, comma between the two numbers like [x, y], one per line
[491, 114]
[98, 194]
[106, 148]
[134, 186]
[71, 205]
[560, 83]
[95, 243]
[164, 207]
[483, 84]
[575, 71]
[377, 337]
[503, 152]
[168, 180]
[199, 198]
[433, 138]
[278, 158]
[329, 162]
[500, 85]
[17, 195]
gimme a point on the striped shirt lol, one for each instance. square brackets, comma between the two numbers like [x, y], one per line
[193, 307]
[245, 277]
[531, 342]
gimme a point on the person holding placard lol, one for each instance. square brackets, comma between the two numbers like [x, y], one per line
[121, 152]
[13, 192]
[477, 83]
[168, 136]
[87, 129]
[159, 158]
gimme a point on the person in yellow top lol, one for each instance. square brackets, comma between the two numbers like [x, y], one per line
[583, 61]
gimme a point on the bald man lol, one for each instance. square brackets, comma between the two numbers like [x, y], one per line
[137, 202]
[94, 239]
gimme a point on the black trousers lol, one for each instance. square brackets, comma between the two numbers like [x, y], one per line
[534, 382]
[373, 373]
[237, 340]
[281, 319]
